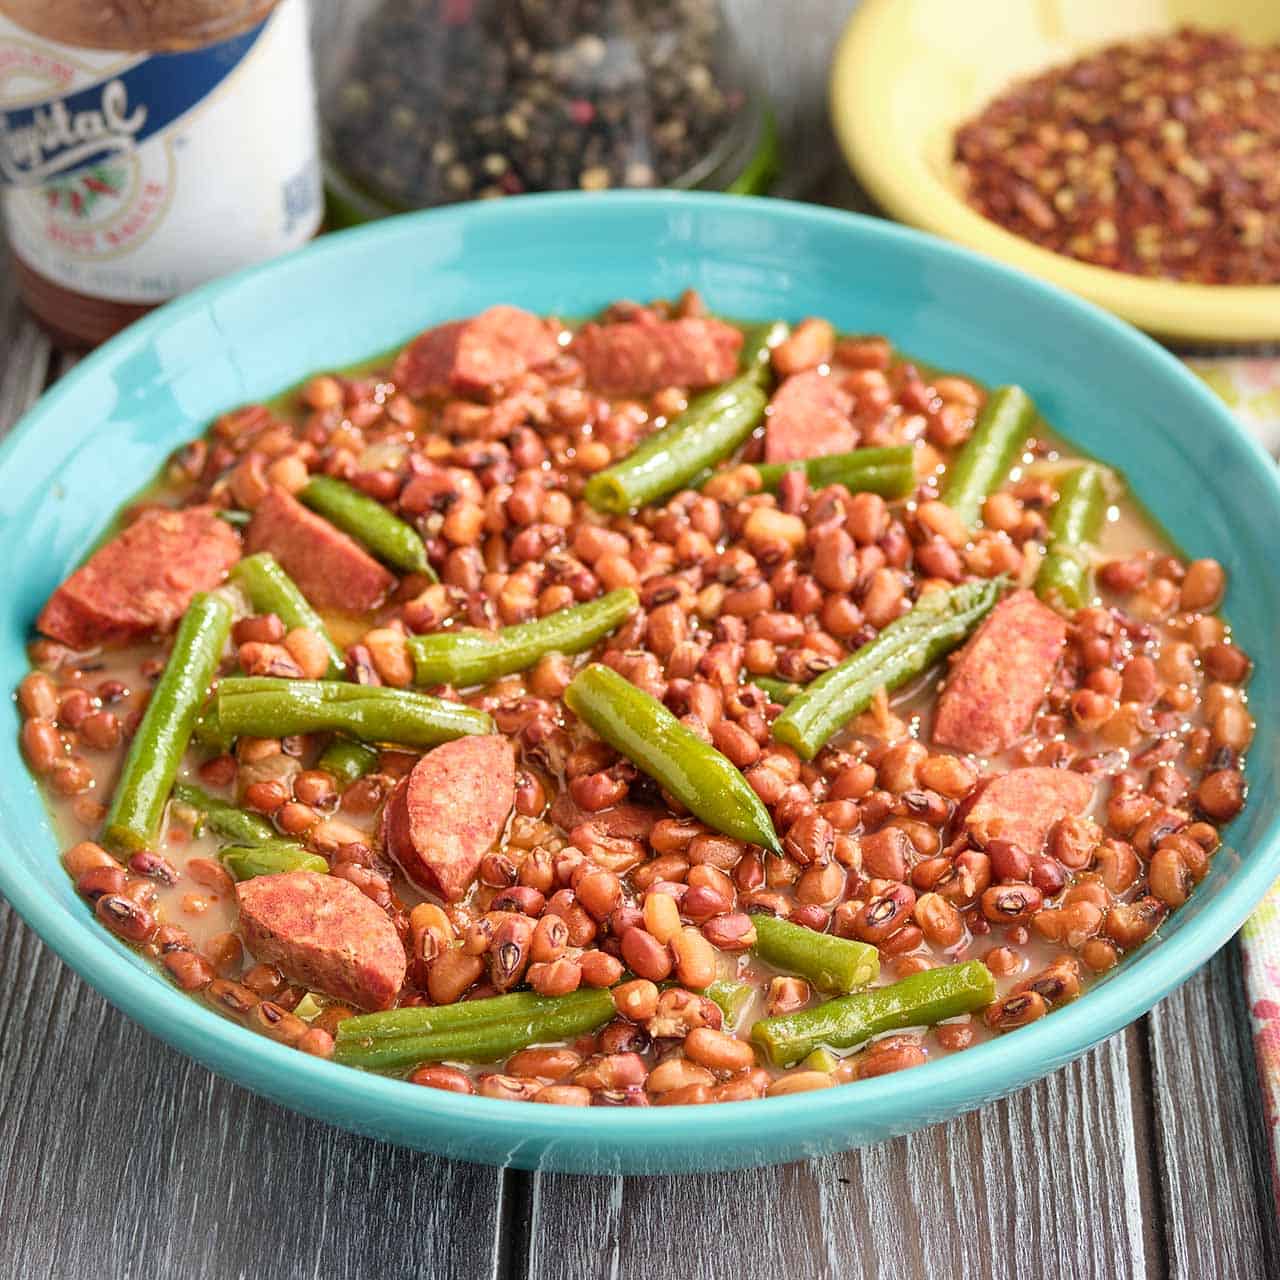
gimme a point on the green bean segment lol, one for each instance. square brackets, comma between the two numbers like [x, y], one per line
[270, 859]
[266, 707]
[889, 471]
[388, 537]
[271, 590]
[906, 648]
[710, 429]
[733, 999]
[347, 761]
[225, 819]
[467, 658]
[779, 691]
[474, 1031]
[830, 964]
[156, 751]
[638, 726]
[920, 1000]
[1076, 520]
[1003, 427]
[757, 349]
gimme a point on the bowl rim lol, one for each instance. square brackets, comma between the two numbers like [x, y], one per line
[324, 1088]
[903, 184]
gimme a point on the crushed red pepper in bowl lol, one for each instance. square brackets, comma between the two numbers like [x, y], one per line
[554, 714]
[1158, 157]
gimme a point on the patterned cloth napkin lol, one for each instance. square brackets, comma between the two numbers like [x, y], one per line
[1252, 388]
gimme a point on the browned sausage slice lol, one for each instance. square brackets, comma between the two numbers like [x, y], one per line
[449, 812]
[496, 346]
[999, 679]
[323, 932]
[639, 357]
[140, 583]
[332, 570]
[1023, 804]
[810, 416]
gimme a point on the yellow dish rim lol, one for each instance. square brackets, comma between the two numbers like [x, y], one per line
[904, 186]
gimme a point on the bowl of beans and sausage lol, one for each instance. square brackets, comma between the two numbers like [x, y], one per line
[679, 693]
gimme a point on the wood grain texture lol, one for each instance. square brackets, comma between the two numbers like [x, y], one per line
[1049, 1174]
[1213, 1162]
[122, 1158]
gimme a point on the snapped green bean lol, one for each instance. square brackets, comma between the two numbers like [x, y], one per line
[779, 691]
[467, 658]
[638, 726]
[906, 648]
[888, 471]
[757, 349]
[388, 537]
[225, 819]
[473, 1031]
[920, 1000]
[272, 858]
[830, 964]
[1074, 524]
[266, 707]
[710, 429]
[1003, 427]
[347, 761]
[156, 751]
[733, 999]
[271, 590]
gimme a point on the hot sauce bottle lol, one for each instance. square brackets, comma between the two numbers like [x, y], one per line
[146, 149]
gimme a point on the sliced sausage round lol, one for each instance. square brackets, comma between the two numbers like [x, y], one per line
[999, 679]
[450, 811]
[323, 932]
[1023, 804]
[140, 583]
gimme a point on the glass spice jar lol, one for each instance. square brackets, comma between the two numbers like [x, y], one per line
[426, 102]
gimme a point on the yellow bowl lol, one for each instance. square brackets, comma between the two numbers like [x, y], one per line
[907, 72]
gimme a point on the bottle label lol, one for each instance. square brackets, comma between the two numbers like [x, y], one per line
[135, 178]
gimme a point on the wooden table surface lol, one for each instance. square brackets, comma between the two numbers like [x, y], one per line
[120, 1158]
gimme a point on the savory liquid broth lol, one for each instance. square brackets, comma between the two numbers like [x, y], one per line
[206, 909]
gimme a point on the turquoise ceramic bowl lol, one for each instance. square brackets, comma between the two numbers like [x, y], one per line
[109, 425]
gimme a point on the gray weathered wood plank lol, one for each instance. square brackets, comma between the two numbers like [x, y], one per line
[123, 1157]
[1052, 1173]
[1212, 1155]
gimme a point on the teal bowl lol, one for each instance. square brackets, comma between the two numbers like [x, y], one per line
[100, 432]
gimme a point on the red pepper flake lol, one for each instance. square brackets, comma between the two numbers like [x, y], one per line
[580, 111]
[1158, 157]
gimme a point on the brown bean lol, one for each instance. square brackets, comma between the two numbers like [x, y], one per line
[1011, 903]
[555, 977]
[38, 696]
[41, 744]
[450, 974]
[939, 921]
[125, 917]
[732, 932]
[86, 856]
[1015, 1011]
[637, 999]
[451, 1079]
[799, 1082]
[677, 1073]
[645, 956]
[599, 968]
[718, 1051]
[1202, 587]
[1220, 795]
[695, 959]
